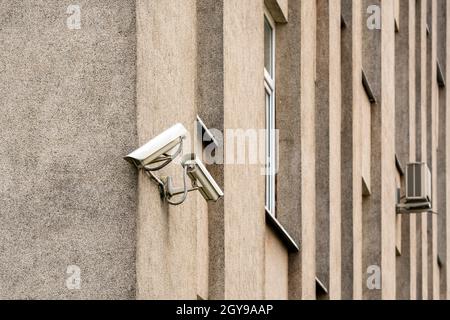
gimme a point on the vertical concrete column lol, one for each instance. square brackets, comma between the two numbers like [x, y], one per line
[328, 144]
[308, 147]
[388, 194]
[447, 159]
[335, 285]
[402, 71]
[417, 254]
[442, 141]
[421, 100]
[166, 262]
[412, 142]
[441, 149]
[434, 143]
[403, 137]
[351, 205]
[380, 220]
[210, 101]
[244, 213]
[289, 104]
[424, 139]
[429, 140]
[372, 215]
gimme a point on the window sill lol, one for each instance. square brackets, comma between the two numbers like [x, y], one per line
[440, 261]
[282, 233]
[368, 88]
[321, 289]
[399, 166]
[398, 252]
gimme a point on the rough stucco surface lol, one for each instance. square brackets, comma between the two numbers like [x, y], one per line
[351, 152]
[442, 146]
[210, 108]
[323, 143]
[403, 134]
[372, 210]
[74, 102]
[423, 153]
[420, 35]
[169, 238]
[328, 147]
[435, 292]
[68, 117]
[388, 152]
[308, 192]
[335, 151]
[288, 104]
[244, 185]
[447, 164]
[276, 267]
[412, 143]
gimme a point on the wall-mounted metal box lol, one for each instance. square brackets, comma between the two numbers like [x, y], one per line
[418, 183]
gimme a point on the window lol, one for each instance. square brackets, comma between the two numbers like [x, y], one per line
[269, 85]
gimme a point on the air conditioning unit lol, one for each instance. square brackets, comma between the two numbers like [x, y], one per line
[418, 184]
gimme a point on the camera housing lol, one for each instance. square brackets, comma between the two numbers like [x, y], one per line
[201, 178]
[154, 156]
[156, 150]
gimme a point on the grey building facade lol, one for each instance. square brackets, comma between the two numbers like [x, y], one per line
[355, 89]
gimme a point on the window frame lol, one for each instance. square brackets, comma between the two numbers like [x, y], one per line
[270, 120]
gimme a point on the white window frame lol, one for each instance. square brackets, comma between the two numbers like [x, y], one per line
[271, 148]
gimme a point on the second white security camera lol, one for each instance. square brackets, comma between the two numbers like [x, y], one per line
[155, 155]
[201, 178]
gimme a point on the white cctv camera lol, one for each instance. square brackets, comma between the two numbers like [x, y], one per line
[201, 178]
[155, 155]
[156, 152]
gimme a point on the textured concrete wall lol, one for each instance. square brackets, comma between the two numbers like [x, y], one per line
[214, 60]
[412, 141]
[76, 101]
[243, 101]
[276, 267]
[420, 32]
[246, 254]
[328, 146]
[210, 95]
[403, 74]
[388, 208]
[442, 146]
[351, 151]
[308, 145]
[423, 138]
[68, 117]
[403, 136]
[434, 269]
[335, 151]
[447, 162]
[288, 101]
[430, 139]
[168, 238]
[372, 224]
[380, 219]
[323, 144]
